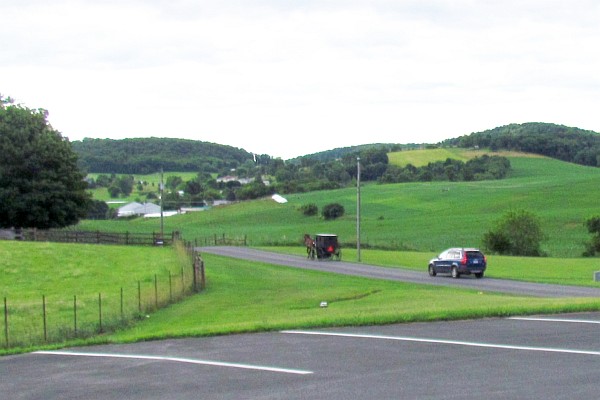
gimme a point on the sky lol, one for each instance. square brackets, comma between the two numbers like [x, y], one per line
[291, 78]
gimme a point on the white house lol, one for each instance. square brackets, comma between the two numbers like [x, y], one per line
[137, 209]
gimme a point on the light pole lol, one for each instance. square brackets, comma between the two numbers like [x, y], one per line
[358, 208]
[161, 205]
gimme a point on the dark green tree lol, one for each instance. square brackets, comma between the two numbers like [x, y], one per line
[517, 233]
[593, 227]
[40, 183]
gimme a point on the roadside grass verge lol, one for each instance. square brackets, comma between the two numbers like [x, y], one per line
[245, 296]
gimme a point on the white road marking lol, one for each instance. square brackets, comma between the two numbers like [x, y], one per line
[180, 360]
[576, 321]
[444, 341]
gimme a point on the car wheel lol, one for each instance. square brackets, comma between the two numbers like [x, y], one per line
[455, 273]
[432, 271]
[479, 275]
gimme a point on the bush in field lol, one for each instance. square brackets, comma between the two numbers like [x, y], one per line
[593, 247]
[517, 233]
[333, 211]
[309, 209]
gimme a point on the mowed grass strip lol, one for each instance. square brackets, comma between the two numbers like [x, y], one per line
[245, 296]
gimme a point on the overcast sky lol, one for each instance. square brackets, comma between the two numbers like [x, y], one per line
[290, 78]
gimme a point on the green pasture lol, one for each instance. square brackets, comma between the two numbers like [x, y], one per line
[243, 296]
[420, 158]
[424, 217]
[72, 278]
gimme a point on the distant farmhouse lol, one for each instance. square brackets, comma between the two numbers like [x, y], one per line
[243, 181]
[138, 210]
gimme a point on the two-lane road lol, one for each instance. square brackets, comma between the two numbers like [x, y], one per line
[403, 275]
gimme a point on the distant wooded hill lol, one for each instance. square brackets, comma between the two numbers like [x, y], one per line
[556, 141]
[149, 155]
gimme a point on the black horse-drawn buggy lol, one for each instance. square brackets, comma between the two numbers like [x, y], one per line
[324, 246]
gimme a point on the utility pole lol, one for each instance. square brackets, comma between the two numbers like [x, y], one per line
[161, 205]
[358, 208]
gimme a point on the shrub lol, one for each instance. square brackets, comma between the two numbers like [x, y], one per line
[309, 209]
[593, 226]
[517, 233]
[333, 211]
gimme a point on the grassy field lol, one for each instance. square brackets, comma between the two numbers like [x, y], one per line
[247, 297]
[420, 158]
[66, 275]
[243, 296]
[425, 217]
[415, 220]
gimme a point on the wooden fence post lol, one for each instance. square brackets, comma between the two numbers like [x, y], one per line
[202, 275]
[195, 267]
[199, 276]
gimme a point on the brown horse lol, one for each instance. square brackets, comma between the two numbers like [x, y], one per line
[310, 246]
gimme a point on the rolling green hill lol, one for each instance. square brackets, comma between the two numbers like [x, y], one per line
[411, 216]
[557, 141]
[149, 155]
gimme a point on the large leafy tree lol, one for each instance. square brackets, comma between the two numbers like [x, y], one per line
[40, 183]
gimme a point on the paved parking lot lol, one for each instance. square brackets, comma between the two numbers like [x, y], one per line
[551, 357]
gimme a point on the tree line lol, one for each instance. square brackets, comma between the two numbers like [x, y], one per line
[149, 155]
[556, 141]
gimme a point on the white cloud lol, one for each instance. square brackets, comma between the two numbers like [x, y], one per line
[289, 80]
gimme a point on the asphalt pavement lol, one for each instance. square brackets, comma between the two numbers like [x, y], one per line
[404, 275]
[550, 357]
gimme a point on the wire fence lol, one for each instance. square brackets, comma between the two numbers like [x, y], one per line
[59, 317]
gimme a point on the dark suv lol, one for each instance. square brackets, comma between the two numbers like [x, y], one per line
[459, 261]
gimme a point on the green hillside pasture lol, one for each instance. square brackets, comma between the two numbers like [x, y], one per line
[245, 296]
[60, 272]
[425, 217]
[420, 158]
[562, 271]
